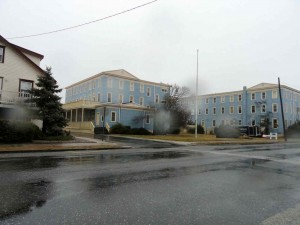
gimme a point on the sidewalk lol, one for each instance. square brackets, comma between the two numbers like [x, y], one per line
[80, 143]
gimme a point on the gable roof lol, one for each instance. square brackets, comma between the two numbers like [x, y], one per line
[263, 86]
[121, 73]
[18, 50]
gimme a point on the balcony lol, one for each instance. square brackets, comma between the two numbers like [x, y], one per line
[12, 98]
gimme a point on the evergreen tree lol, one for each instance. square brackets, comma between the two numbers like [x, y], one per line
[47, 101]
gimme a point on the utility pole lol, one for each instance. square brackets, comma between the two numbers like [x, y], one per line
[282, 114]
[196, 100]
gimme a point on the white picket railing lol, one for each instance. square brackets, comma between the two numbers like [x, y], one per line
[10, 97]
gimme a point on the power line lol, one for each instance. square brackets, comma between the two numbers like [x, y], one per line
[83, 24]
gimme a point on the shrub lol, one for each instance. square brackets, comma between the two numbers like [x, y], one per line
[200, 130]
[226, 131]
[119, 129]
[17, 131]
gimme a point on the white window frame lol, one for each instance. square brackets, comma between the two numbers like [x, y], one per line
[206, 100]
[121, 84]
[240, 109]
[231, 98]
[253, 122]
[111, 116]
[213, 123]
[141, 101]
[263, 95]
[231, 109]
[109, 82]
[206, 111]
[274, 105]
[142, 88]
[203, 123]
[131, 86]
[273, 124]
[253, 107]
[148, 92]
[274, 94]
[156, 99]
[263, 108]
[214, 100]
[121, 98]
[2, 53]
[147, 119]
[222, 110]
[253, 96]
[214, 110]
[239, 122]
[131, 99]
[109, 95]
[222, 99]
[240, 97]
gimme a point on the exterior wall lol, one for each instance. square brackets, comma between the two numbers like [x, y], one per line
[97, 88]
[264, 108]
[34, 59]
[15, 68]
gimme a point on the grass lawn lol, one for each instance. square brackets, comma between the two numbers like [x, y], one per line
[200, 138]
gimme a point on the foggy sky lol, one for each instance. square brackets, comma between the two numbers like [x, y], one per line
[240, 42]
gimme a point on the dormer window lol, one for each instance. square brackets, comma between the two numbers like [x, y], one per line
[2, 51]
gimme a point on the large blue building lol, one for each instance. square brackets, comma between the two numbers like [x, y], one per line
[247, 107]
[113, 97]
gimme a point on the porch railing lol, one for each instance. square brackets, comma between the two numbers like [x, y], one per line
[10, 97]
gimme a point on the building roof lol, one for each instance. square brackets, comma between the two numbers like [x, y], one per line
[263, 86]
[18, 50]
[121, 73]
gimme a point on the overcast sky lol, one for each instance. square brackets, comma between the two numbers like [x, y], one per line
[240, 42]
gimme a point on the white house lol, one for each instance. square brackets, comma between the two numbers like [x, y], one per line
[19, 70]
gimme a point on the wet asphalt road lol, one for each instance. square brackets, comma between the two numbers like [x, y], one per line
[179, 185]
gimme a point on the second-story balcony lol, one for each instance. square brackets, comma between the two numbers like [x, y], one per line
[11, 98]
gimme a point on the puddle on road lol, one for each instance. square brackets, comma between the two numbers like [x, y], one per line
[23, 197]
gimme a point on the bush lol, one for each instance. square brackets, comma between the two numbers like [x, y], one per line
[119, 129]
[18, 131]
[200, 130]
[226, 131]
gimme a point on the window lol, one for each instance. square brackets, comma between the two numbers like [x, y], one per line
[121, 84]
[239, 109]
[263, 108]
[231, 98]
[142, 87]
[240, 98]
[131, 99]
[148, 92]
[222, 99]
[199, 111]
[206, 111]
[274, 108]
[113, 116]
[214, 111]
[231, 110]
[275, 123]
[222, 110]
[141, 101]
[202, 123]
[94, 84]
[240, 122]
[156, 99]
[206, 100]
[253, 109]
[263, 95]
[213, 123]
[214, 100]
[2, 51]
[109, 82]
[252, 96]
[147, 119]
[274, 94]
[253, 122]
[109, 97]
[120, 98]
[24, 87]
[131, 86]
[99, 97]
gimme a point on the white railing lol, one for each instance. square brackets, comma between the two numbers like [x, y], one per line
[10, 97]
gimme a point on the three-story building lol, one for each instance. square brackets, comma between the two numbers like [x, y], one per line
[112, 97]
[247, 107]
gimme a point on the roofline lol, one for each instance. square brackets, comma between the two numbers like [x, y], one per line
[113, 75]
[28, 51]
[18, 51]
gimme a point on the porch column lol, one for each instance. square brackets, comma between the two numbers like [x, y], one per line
[76, 115]
[71, 115]
[82, 114]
